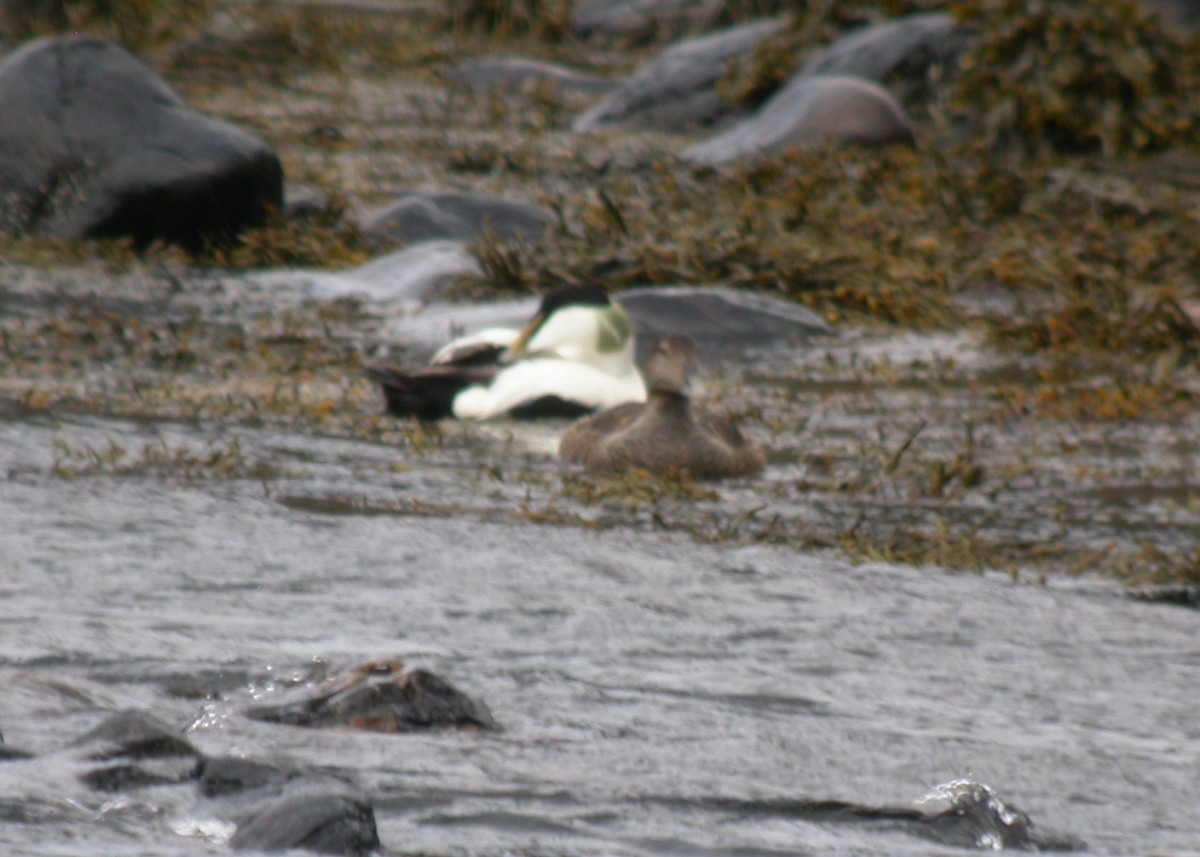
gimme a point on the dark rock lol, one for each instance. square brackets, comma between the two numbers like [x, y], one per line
[876, 52]
[137, 750]
[639, 20]
[975, 816]
[325, 822]
[379, 696]
[95, 145]
[520, 72]
[8, 754]
[228, 775]
[809, 111]
[978, 818]
[432, 215]
[1182, 595]
[678, 89]
[136, 735]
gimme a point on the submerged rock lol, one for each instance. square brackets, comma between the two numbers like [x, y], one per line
[322, 821]
[519, 72]
[678, 89]
[1179, 596]
[94, 144]
[379, 696]
[432, 215]
[137, 750]
[809, 111]
[234, 775]
[975, 816]
[8, 753]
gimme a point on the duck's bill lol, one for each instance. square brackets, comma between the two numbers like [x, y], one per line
[517, 348]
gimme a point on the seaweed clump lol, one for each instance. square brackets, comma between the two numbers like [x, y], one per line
[138, 24]
[1075, 76]
[545, 19]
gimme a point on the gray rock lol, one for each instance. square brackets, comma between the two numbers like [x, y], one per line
[304, 203]
[95, 145]
[520, 72]
[637, 20]
[434, 215]
[135, 749]
[718, 318]
[807, 111]
[678, 89]
[377, 696]
[877, 51]
[414, 273]
[401, 280]
[321, 821]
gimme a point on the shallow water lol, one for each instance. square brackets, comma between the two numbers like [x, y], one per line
[657, 696]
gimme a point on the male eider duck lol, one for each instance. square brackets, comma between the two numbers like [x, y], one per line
[573, 357]
[668, 431]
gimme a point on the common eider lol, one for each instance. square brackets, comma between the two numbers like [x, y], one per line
[666, 432]
[575, 355]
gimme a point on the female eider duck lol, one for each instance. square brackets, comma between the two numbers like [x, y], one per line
[668, 431]
[573, 357]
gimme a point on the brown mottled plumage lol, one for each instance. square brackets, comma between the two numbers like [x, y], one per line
[667, 431]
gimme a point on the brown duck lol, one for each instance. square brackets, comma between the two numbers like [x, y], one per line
[666, 432]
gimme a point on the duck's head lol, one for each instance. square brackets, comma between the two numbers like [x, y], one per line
[579, 323]
[672, 366]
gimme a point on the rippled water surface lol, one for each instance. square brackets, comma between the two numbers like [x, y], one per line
[657, 696]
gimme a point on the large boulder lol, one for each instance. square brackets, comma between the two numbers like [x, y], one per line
[809, 111]
[432, 215]
[678, 90]
[94, 144]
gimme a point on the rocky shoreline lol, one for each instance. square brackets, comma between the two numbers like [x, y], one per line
[1015, 381]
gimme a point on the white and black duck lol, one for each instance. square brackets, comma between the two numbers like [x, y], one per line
[576, 355]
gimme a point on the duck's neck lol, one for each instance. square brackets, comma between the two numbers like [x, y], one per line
[667, 404]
